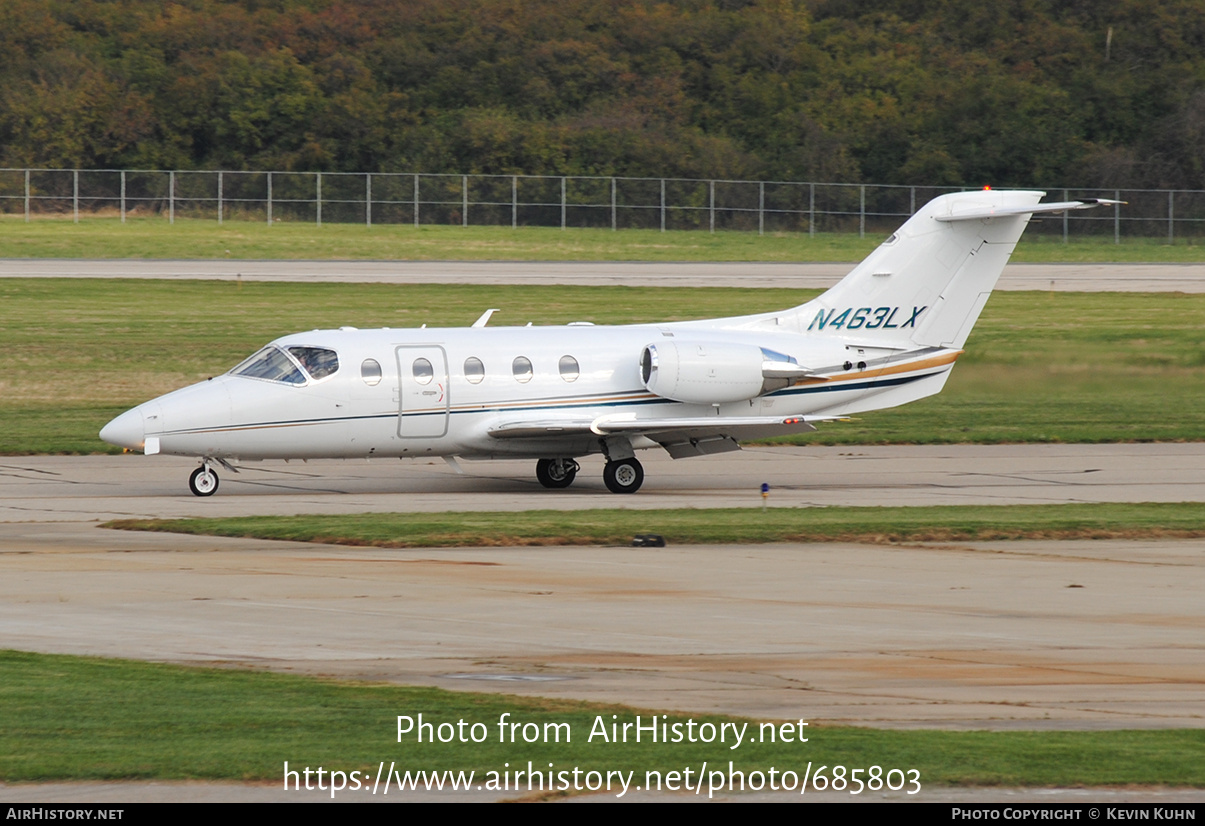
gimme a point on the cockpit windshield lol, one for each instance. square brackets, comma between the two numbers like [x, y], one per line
[273, 364]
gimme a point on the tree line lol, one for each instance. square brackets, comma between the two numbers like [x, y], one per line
[941, 92]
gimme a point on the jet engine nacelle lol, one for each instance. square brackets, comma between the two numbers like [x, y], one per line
[708, 372]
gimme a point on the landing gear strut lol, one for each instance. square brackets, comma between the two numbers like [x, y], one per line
[203, 482]
[623, 476]
[556, 473]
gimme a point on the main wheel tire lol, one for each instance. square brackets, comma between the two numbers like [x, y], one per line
[203, 482]
[556, 473]
[623, 476]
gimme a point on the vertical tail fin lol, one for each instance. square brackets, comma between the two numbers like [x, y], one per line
[928, 282]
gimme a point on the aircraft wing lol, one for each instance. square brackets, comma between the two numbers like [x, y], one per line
[681, 437]
[536, 429]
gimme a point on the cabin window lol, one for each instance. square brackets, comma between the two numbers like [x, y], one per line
[569, 369]
[474, 370]
[271, 364]
[319, 362]
[370, 371]
[423, 371]
[522, 369]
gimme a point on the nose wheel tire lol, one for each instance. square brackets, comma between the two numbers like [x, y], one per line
[203, 482]
[556, 473]
[623, 476]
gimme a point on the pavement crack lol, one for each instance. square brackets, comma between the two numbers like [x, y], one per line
[29, 470]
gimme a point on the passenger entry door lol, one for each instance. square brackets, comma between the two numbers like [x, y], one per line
[423, 404]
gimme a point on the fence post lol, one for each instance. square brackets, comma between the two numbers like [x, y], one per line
[123, 194]
[514, 201]
[663, 204]
[1066, 219]
[368, 199]
[269, 199]
[761, 207]
[27, 195]
[75, 194]
[1171, 231]
[614, 218]
[1117, 217]
[711, 216]
[861, 210]
[811, 209]
[171, 197]
[563, 200]
[464, 200]
[416, 200]
[318, 195]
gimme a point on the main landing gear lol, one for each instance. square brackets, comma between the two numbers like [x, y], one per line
[623, 475]
[556, 473]
[620, 475]
[203, 482]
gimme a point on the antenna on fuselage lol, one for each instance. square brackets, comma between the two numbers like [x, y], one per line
[485, 317]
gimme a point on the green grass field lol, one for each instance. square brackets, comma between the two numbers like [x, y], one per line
[204, 239]
[709, 526]
[1040, 367]
[61, 721]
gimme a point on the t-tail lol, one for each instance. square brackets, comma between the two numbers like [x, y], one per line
[926, 285]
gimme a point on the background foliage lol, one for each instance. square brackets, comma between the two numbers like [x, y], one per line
[1015, 93]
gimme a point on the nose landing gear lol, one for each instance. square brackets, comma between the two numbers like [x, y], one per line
[204, 481]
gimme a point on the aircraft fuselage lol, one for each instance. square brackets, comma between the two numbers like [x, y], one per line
[536, 373]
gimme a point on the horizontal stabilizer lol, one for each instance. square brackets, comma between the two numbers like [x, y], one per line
[1004, 212]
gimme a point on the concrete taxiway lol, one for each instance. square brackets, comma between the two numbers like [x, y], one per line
[1075, 634]
[66, 488]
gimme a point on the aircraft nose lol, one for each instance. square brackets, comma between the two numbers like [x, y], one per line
[126, 430]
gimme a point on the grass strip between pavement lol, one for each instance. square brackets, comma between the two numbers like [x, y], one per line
[711, 526]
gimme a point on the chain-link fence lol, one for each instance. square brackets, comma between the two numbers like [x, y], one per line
[552, 201]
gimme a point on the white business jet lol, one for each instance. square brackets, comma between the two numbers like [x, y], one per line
[887, 334]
